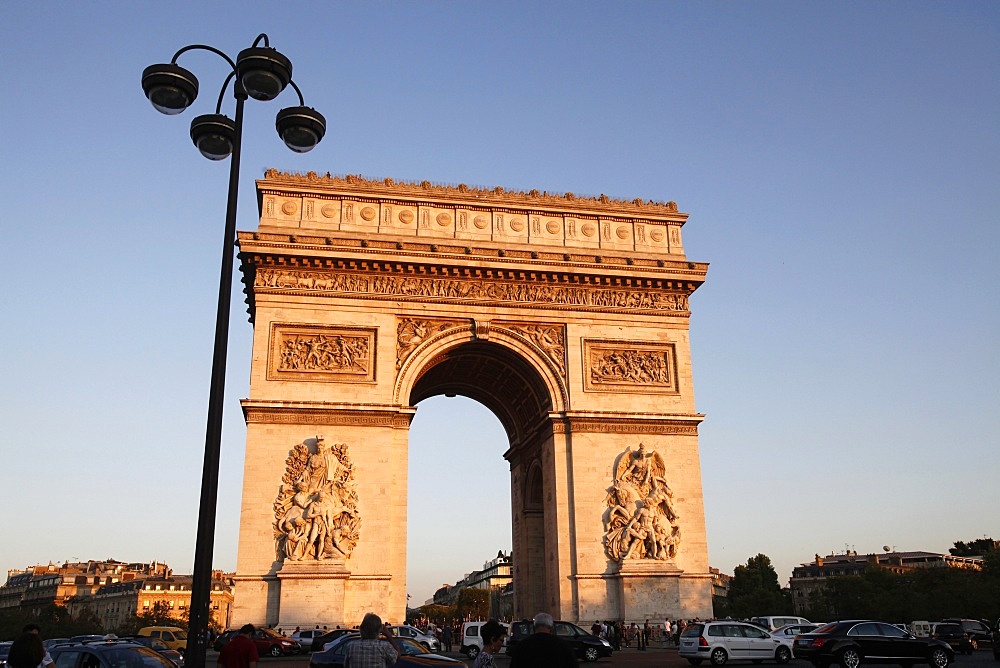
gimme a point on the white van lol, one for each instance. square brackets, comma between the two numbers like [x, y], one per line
[920, 629]
[772, 623]
[471, 642]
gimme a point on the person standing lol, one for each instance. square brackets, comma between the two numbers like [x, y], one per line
[370, 651]
[27, 651]
[492, 633]
[446, 637]
[543, 649]
[241, 651]
[668, 630]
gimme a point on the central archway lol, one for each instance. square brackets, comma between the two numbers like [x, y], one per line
[501, 374]
[566, 317]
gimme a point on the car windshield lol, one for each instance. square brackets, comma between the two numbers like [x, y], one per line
[826, 628]
[270, 633]
[409, 647]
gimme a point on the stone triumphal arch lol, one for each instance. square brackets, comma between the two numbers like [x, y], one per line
[566, 316]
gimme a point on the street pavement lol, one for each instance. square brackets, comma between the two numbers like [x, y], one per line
[655, 656]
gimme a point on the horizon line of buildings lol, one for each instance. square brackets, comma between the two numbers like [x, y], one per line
[114, 591]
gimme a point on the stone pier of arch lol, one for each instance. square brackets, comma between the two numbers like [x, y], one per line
[567, 317]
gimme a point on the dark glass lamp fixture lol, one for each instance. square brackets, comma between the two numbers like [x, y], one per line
[261, 73]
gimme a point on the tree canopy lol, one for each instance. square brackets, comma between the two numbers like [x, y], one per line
[754, 590]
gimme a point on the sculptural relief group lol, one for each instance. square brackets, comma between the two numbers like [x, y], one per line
[640, 522]
[316, 511]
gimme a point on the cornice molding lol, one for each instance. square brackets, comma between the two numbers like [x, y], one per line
[323, 413]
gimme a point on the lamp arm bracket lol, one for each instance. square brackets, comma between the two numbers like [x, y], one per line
[302, 102]
[203, 47]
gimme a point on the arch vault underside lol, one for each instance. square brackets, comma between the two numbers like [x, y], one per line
[567, 317]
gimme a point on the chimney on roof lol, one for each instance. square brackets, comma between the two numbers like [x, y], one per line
[819, 560]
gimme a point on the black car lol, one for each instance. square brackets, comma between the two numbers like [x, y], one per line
[954, 635]
[585, 645]
[110, 654]
[856, 642]
[996, 640]
[980, 634]
[4, 651]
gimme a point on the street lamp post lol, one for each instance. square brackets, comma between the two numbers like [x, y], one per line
[262, 73]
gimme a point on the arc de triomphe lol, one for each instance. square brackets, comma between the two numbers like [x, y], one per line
[567, 317]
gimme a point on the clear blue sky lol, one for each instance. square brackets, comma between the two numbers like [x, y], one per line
[840, 163]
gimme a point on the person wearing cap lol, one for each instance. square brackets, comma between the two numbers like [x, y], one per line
[543, 649]
[241, 651]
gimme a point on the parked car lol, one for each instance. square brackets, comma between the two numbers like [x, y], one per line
[980, 633]
[471, 642]
[223, 639]
[996, 640]
[306, 637]
[4, 651]
[919, 629]
[174, 636]
[412, 653]
[320, 643]
[856, 642]
[771, 623]
[407, 631]
[954, 635]
[157, 645]
[586, 646]
[786, 634]
[724, 640]
[108, 654]
[89, 637]
[270, 643]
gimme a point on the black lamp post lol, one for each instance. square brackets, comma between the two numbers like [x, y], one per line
[262, 73]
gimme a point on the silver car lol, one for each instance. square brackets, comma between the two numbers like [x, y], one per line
[721, 641]
[407, 631]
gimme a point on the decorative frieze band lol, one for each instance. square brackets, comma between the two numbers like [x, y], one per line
[605, 424]
[319, 353]
[648, 367]
[472, 290]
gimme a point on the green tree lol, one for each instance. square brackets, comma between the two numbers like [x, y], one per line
[473, 604]
[754, 590]
[439, 614]
[974, 548]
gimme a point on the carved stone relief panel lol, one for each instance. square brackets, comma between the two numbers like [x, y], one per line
[640, 521]
[316, 511]
[313, 352]
[583, 232]
[629, 366]
[321, 213]
[551, 339]
[411, 332]
[436, 222]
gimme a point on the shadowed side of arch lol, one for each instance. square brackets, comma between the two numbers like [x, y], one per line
[503, 374]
